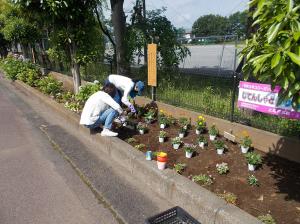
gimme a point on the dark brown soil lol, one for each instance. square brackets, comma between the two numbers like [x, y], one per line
[279, 189]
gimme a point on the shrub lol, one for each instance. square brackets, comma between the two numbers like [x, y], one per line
[49, 85]
[86, 91]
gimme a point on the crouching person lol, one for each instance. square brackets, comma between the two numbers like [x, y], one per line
[101, 109]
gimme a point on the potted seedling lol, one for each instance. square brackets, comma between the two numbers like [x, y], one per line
[162, 119]
[189, 150]
[202, 141]
[246, 143]
[253, 159]
[162, 136]
[141, 127]
[179, 167]
[203, 179]
[162, 159]
[200, 125]
[213, 132]
[182, 132]
[150, 116]
[219, 145]
[176, 142]
[184, 122]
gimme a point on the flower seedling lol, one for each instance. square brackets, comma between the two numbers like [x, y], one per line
[131, 140]
[219, 144]
[202, 179]
[176, 141]
[141, 126]
[184, 122]
[202, 139]
[253, 158]
[200, 123]
[190, 148]
[213, 131]
[229, 197]
[246, 142]
[222, 168]
[140, 146]
[162, 134]
[253, 181]
[179, 167]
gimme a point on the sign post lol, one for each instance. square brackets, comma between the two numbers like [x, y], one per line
[152, 69]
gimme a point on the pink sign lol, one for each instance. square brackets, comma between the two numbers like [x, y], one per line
[260, 97]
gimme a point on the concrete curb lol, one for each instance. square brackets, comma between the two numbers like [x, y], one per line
[199, 202]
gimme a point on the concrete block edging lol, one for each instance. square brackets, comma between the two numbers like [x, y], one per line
[199, 202]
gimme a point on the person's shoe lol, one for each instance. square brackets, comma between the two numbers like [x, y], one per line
[108, 133]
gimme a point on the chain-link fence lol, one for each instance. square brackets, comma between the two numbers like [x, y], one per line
[205, 82]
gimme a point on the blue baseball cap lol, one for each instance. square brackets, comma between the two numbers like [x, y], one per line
[140, 87]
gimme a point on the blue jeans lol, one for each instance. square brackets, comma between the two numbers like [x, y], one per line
[106, 118]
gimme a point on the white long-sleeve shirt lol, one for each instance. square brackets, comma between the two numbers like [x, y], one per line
[95, 105]
[123, 84]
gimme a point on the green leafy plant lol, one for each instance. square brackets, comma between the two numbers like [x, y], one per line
[176, 140]
[184, 122]
[182, 130]
[189, 147]
[131, 140]
[141, 126]
[246, 141]
[267, 219]
[253, 158]
[73, 106]
[222, 168]
[230, 198]
[49, 85]
[202, 179]
[150, 116]
[253, 181]
[140, 146]
[213, 130]
[179, 167]
[201, 138]
[86, 91]
[162, 134]
[273, 52]
[219, 144]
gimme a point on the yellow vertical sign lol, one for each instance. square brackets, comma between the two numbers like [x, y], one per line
[152, 65]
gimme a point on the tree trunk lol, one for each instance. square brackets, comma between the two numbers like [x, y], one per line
[75, 68]
[119, 24]
[24, 48]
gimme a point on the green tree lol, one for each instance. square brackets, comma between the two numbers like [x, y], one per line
[273, 52]
[210, 25]
[238, 23]
[157, 29]
[73, 33]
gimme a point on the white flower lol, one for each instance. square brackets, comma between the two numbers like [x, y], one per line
[96, 82]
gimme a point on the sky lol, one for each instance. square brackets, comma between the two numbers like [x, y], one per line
[183, 13]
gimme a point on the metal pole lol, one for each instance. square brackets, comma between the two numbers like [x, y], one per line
[234, 87]
[221, 59]
[153, 93]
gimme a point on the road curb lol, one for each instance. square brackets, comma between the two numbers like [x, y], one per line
[199, 202]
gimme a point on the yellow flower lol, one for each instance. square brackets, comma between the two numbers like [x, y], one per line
[161, 111]
[245, 133]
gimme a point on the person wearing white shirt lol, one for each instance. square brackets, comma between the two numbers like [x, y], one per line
[127, 88]
[101, 108]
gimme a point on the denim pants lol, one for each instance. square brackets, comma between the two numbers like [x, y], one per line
[106, 118]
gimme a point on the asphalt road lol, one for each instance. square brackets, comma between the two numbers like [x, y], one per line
[37, 186]
[37, 183]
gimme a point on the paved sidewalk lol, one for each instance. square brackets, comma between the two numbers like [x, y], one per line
[37, 186]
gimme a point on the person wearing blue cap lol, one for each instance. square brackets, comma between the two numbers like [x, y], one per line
[126, 88]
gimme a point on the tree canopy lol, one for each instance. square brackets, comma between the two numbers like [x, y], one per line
[273, 52]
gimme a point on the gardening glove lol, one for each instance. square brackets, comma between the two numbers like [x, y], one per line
[132, 109]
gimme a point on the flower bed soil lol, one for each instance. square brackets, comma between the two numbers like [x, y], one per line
[279, 189]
